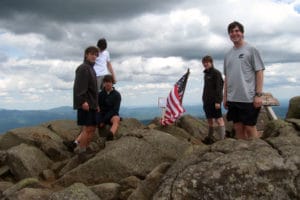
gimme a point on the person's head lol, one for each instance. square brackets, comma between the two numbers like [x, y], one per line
[207, 62]
[236, 33]
[108, 82]
[234, 25]
[102, 44]
[91, 53]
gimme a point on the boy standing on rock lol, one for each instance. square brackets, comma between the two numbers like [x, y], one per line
[103, 64]
[243, 69]
[212, 98]
[85, 100]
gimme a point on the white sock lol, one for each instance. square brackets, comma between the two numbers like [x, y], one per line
[221, 131]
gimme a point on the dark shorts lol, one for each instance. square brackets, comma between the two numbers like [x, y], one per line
[211, 112]
[244, 113]
[86, 118]
[104, 118]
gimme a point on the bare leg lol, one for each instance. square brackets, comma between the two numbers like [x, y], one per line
[251, 132]
[210, 122]
[239, 131]
[220, 121]
[86, 136]
[115, 120]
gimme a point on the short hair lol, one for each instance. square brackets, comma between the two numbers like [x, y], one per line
[91, 49]
[234, 24]
[108, 78]
[207, 59]
[102, 44]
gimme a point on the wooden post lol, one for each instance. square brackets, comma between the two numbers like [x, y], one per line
[268, 102]
[162, 102]
[270, 112]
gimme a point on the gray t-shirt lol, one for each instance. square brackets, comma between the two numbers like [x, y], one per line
[240, 65]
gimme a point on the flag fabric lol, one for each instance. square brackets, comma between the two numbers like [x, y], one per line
[174, 108]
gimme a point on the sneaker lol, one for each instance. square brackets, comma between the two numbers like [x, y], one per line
[79, 150]
[71, 145]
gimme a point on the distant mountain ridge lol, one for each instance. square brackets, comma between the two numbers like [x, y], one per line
[11, 119]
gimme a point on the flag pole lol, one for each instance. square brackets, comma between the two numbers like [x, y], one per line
[173, 108]
[163, 113]
[184, 84]
[162, 105]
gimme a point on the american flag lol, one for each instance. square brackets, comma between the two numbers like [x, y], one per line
[174, 108]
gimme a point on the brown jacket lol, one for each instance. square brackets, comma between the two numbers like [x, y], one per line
[85, 86]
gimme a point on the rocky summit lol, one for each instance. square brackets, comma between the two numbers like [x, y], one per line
[146, 162]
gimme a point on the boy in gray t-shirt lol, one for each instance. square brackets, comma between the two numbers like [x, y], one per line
[243, 70]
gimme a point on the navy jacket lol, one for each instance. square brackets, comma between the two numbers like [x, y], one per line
[109, 103]
[213, 86]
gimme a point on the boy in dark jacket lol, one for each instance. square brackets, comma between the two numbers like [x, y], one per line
[212, 97]
[85, 100]
[109, 101]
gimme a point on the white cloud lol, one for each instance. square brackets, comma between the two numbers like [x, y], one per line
[151, 47]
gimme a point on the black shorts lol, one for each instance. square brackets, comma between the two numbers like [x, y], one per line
[86, 118]
[211, 112]
[244, 113]
[104, 118]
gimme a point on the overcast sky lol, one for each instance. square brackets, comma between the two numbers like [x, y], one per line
[152, 44]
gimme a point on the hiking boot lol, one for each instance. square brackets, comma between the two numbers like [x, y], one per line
[71, 145]
[101, 142]
[109, 136]
[208, 140]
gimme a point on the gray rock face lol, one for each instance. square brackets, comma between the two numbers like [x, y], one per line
[32, 194]
[128, 156]
[107, 191]
[26, 161]
[294, 108]
[77, 191]
[41, 137]
[234, 169]
[66, 129]
[151, 162]
[147, 187]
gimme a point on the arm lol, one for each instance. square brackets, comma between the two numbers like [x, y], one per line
[259, 75]
[82, 87]
[225, 93]
[259, 81]
[219, 90]
[110, 69]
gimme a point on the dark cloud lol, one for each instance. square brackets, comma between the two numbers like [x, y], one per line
[80, 11]
[37, 15]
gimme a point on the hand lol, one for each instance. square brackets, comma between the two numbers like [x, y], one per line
[85, 106]
[217, 106]
[225, 105]
[225, 102]
[257, 102]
